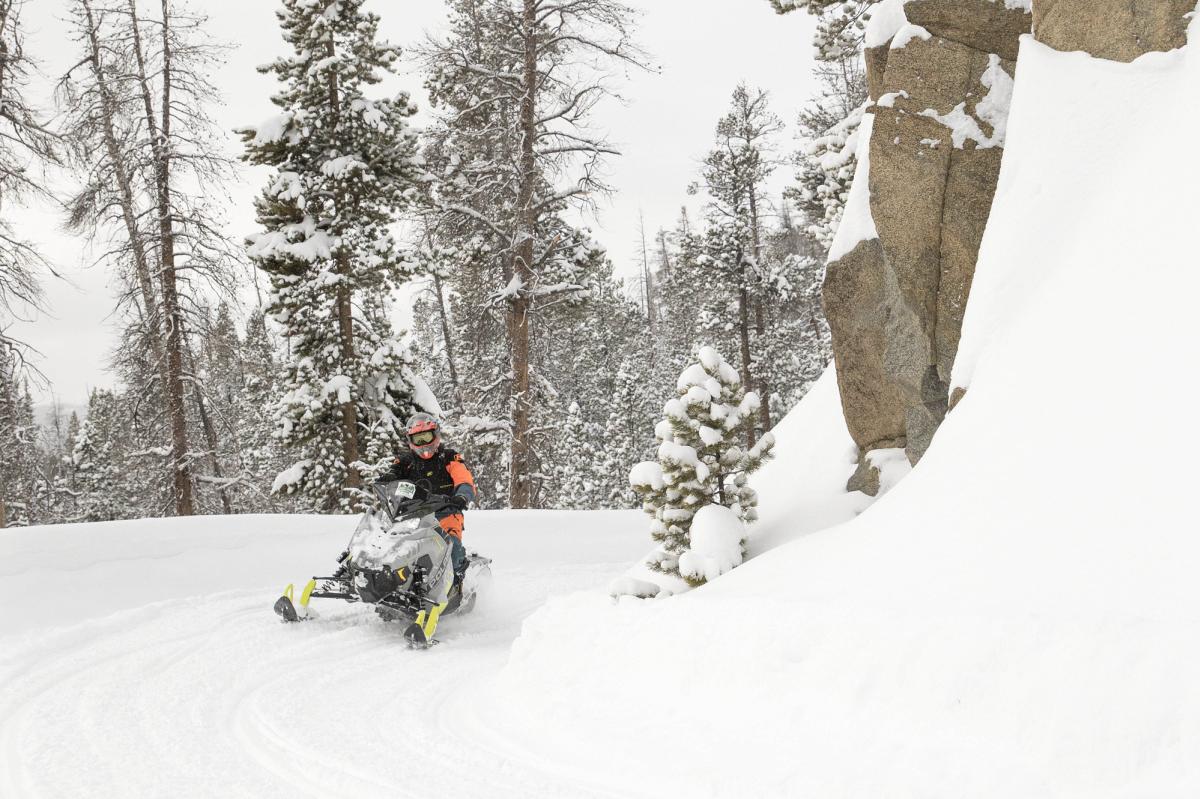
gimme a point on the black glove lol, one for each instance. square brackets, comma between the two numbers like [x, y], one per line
[460, 502]
[343, 569]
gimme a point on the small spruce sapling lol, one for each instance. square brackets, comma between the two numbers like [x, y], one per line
[701, 461]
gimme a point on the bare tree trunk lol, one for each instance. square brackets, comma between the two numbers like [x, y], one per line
[521, 486]
[141, 259]
[210, 436]
[744, 334]
[345, 317]
[764, 409]
[664, 254]
[647, 277]
[449, 341]
[172, 319]
[445, 321]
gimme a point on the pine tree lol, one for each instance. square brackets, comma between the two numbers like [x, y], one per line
[735, 174]
[230, 416]
[18, 441]
[345, 166]
[516, 85]
[840, 27]
[700, 458]
[575, 464]
[98, 461]
[626, 439]
[262, 454]
[829, 130]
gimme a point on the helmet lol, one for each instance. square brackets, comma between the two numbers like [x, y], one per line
[424, 435]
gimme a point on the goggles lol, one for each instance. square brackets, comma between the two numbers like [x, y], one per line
[422, 438]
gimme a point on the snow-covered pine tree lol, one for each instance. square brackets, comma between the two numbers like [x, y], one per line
[701, 460]
[735, 174]
[18, 439]
[231, 416]
[345, 166]
[65, 488]
[794, 348]
[98, 462]
[575, 486]
[828, 130]
[263, 455]
[684, 293]
[516, 85]
[840, 24]
[625, 440]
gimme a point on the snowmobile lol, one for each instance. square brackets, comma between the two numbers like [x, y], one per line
[398, 561]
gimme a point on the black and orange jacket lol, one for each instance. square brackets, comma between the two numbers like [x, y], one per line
[446, 472]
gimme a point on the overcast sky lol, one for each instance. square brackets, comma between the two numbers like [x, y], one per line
[702, 50]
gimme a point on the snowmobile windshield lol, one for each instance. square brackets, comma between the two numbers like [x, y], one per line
[402, 499]
[379, 543]
[395, 495]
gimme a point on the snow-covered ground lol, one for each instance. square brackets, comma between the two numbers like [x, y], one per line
[142, 659]
[1019, 616]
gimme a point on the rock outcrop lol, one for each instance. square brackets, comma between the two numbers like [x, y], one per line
[940, 77]
[983, 25]
[896, 302]
[874, 409]
[1119, 30]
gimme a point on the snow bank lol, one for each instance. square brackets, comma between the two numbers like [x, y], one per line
[1018, 616]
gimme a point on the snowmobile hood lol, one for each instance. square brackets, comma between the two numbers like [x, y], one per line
[378, 543]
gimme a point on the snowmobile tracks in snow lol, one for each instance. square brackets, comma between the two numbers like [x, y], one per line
[210, 697]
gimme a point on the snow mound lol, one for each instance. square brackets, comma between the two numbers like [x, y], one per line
[715, 543]
[1018, 616]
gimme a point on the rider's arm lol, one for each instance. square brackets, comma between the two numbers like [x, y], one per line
[464, 482]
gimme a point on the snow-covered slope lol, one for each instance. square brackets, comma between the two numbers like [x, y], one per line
[1019, 617]
[804, 489]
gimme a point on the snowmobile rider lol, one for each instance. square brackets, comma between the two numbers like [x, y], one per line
[429, 459]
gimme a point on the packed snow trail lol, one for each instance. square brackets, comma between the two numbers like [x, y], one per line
[138, 681]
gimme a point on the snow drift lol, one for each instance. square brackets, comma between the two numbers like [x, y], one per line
[1016, 618]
